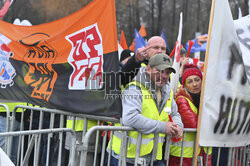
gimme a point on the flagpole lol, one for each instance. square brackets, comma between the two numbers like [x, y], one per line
[203, 85]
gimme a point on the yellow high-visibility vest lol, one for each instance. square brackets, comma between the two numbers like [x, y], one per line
[12, 106]
[79, 122]
[175, 147]
[149, 110]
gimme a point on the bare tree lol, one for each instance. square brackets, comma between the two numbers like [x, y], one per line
[198, 16]
[244, 6]
[38, 12]
[153, 14]
[159, 21]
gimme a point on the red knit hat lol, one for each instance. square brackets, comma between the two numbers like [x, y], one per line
[189, 70]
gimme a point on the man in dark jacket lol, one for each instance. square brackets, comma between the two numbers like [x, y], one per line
[155, 45]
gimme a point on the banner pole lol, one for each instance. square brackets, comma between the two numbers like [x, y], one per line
[203, 85]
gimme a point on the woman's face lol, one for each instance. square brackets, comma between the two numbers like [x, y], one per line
[193, 84]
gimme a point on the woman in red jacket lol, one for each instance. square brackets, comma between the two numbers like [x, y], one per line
[188, 100]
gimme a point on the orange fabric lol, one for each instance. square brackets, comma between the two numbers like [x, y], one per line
[123, 41]
[101, 12]
[142, 31]
[80, 39]
[202, 66]
[132, 46]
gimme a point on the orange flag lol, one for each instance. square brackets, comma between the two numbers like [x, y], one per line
[123, 41]
[142, 31]
[63, 64]
[132, 46]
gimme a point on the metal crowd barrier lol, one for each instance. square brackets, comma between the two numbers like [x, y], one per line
[24, 158]
[106, 128]
[57, 119]
[237, 156]
[35, 134]
[122, 157]
[8, 120]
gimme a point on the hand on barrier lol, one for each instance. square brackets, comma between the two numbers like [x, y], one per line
[177, 135]
[170, 128]
[175, 130]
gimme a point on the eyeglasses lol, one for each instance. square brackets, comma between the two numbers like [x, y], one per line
[164, 72]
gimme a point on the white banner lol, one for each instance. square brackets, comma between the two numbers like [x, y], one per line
[4, 159]
[242, 27]
[226, 103]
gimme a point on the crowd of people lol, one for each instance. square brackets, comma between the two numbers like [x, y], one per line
[152, 69]
[153, 107]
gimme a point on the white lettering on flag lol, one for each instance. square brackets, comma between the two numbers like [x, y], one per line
[86, 58]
